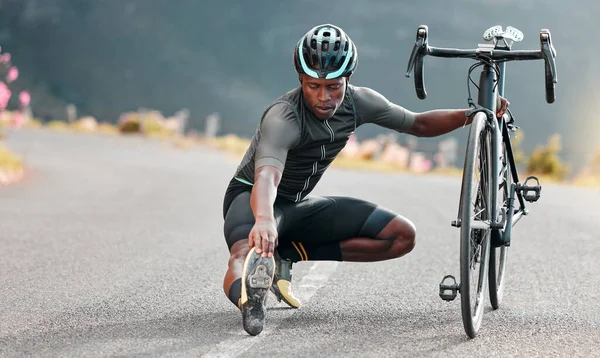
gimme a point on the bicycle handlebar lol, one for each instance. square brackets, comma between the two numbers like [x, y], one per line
[422, 49]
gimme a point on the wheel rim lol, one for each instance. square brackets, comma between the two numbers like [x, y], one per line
[479, 239]
[475, 241]
[500, 253]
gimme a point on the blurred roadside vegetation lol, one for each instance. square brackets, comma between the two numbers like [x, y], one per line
[544, 161]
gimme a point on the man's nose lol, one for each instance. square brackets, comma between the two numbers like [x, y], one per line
[323, 95]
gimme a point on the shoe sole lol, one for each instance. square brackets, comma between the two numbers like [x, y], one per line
[257, 278]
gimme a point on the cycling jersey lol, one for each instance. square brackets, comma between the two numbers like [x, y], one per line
[291, 138]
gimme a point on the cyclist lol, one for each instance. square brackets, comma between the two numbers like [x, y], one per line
[271, 221]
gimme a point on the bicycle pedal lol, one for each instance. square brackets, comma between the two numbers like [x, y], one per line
[448, 291]
[531, 193]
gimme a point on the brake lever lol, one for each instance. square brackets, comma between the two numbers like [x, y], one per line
[420, 43]
[549, 52]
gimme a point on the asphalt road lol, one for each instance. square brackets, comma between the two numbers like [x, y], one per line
[113, 247]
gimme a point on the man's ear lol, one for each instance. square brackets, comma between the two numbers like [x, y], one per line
[300, 78]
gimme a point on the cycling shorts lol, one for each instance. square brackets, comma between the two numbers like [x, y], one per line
[314, 219]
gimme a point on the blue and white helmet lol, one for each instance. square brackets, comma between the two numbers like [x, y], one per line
[326, 51]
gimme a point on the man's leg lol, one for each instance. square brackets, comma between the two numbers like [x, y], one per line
[232, 283]
[396, 239]
[282, 282]
[247, 283]
[249, 276]
[346, 229]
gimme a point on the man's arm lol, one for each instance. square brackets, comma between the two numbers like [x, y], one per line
[437, 122]
[264, 192]
[372, 107]
[279, 131]
[264, 235]
[442, 121]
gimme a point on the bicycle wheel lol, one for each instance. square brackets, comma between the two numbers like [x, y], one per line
[499, 254]
[474, 239]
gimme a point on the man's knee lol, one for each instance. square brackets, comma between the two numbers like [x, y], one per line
[402, 232]
[238, 252]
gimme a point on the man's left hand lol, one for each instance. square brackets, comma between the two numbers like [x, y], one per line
[501, 106]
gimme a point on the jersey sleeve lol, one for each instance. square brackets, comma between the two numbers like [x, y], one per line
[279, 132]
[373, 107]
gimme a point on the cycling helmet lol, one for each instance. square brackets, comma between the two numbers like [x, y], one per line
[325, 52]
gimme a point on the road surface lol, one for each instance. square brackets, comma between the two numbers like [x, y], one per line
[113, 246]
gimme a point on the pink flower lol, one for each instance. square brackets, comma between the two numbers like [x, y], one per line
[5, 94]
[24, 98]
[13, 74]
[5, 58]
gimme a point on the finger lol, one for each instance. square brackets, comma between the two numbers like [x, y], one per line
[251, 240]
[274, 243]
[257, 243]
[501, 108]
[271, 246]
[265, 243]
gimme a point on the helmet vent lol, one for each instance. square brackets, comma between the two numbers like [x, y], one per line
[325, 46]
[336, 46]
[326, 33]
[313, 44]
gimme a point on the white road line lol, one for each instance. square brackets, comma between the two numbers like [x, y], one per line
[317, 277]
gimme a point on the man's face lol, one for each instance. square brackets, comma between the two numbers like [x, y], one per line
[323, 96]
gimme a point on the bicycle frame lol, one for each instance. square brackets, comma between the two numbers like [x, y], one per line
[498, 135]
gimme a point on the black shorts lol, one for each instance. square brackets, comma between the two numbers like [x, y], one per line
[315, 219]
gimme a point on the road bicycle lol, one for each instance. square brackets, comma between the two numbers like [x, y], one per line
[487, 208]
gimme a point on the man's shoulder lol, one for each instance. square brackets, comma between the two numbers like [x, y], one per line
[364, 93]
[368, 100]
[281, 111]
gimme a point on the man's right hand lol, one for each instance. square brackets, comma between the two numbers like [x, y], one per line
[263, 236]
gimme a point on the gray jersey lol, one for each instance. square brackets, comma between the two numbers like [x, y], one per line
[291, 138]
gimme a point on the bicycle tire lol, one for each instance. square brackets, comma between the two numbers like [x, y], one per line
[477, 152]
[499, 255]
